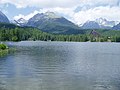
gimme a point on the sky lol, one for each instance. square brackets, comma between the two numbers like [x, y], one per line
[77, 11]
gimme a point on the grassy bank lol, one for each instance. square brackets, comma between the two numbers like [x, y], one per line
[3, 49]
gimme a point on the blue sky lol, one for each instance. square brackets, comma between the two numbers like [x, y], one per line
[10, 10]
[78, 11]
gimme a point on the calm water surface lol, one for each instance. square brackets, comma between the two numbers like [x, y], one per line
[61, 66]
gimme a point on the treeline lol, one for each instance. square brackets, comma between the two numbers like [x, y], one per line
[27, 33]
[22, 34]
[105, 35]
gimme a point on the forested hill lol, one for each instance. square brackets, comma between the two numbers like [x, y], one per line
[11, 32]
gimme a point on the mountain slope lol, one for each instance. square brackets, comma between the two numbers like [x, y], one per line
[104, 22]
[3, 18]
[21, 22]
[100, 23]
[52, 23]
[116, 27]
[90, 25]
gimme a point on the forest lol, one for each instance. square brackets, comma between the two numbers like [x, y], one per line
[33, 34]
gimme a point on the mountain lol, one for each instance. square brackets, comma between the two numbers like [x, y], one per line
[104, 22]
[100, 23]
[52, 23]
[90, 25]
[21, 22]
[116, 27]
[3, 18]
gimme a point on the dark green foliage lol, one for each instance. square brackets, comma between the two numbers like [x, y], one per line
[105, 35]
[28, 33]
[15, 38]
[7, 25]
[3, 47]
[19, 34]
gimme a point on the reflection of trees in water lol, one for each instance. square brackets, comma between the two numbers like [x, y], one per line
[7, 51]
[3, 52]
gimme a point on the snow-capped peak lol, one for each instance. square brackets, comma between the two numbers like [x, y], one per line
[105, 22]
[22, 20]
[52, 15]
[101, 21]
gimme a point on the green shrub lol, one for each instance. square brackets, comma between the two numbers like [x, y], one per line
[3, 47]
[14, 38]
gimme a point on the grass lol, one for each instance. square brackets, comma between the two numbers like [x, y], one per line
[4, 50]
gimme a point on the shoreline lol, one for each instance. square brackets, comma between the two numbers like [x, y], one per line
[59, 41]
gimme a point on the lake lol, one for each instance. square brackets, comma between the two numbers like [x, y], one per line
[38, 65]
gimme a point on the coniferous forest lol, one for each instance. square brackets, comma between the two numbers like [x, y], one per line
[16, 33]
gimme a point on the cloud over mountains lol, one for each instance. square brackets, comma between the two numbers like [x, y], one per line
[60, 3]
[78, 11]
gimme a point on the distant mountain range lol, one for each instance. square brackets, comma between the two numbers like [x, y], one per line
[53, 23]
[105, 22]
[46, 20]
[99, 23]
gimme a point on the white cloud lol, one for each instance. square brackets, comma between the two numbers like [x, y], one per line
[110, 13]
[59, 3]
[42, 3]
[27, 17]
[87, 9]
[66, 12]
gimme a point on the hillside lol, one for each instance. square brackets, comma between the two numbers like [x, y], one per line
[52, 23]
[3, 18]
[16, 33]
[116, 27]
